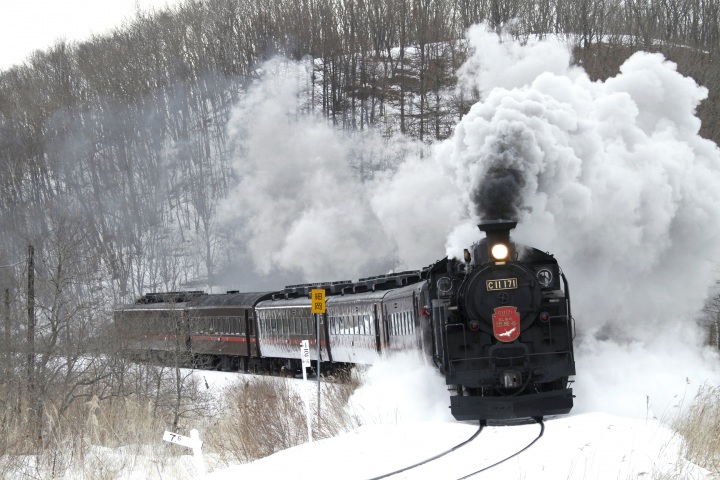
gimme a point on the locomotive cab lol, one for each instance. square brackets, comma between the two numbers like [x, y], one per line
[507, 349]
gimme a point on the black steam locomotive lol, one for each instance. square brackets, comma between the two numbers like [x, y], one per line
[497, 324]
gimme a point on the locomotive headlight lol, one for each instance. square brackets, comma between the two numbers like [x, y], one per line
[500, 251]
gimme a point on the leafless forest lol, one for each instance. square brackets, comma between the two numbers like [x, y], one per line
[114, 153]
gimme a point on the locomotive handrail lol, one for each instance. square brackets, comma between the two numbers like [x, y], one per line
[567, 302]
[567, 353]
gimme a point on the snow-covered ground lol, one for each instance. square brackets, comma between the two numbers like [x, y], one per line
[403, 407]
[585, 446]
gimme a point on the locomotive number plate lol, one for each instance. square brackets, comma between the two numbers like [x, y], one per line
[501, 284]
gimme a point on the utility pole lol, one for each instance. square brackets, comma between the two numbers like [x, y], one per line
[31, 321]
[6, 303]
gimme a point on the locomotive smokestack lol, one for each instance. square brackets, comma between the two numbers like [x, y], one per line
[497, 230]
[498, 236]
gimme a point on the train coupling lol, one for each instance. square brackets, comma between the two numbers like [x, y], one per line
[512, 379]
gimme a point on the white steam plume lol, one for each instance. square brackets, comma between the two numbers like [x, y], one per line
[302, 213]
[615, 180]
[610, 176]
[298, 208]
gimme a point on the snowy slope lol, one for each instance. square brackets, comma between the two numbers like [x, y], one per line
[586, 446]
[403, 407]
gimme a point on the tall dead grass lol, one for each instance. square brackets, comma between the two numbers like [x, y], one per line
[263, 415]
[700, 427]
[104, 438]
[97, 436]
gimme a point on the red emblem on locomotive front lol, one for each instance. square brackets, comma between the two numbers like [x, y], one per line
[506, 323]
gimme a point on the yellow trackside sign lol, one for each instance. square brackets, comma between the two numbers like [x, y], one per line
[317, 298]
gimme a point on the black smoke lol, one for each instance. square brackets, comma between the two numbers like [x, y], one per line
[499, 194]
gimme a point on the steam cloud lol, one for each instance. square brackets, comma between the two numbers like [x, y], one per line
[619, 185]
[299, 209]
[610, 176]
[301, 212]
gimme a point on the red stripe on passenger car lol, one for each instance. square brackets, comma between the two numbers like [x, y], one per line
[218, 338]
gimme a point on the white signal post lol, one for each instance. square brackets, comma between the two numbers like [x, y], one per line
[305, 356]
[317, 301]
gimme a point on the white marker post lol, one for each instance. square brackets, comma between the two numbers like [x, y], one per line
[305, 355]
[193, 441]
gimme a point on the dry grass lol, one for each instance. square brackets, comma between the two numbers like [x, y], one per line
[109, 437]
[263, 415]
[95, 436]
[700, 428]
[105, 438]
[76, 440]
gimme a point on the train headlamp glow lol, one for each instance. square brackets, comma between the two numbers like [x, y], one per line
[499, 251]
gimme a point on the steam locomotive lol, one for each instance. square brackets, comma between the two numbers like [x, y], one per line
[497, 324]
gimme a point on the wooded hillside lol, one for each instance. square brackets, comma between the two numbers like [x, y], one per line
[114, 153]
[106, 144]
